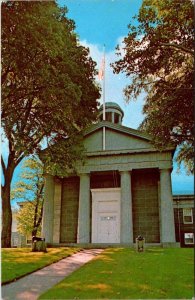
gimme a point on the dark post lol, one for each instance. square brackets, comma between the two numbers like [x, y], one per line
[38, 244]
[140, 244]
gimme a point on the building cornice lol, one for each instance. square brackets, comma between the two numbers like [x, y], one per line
[183, 197]
[127, 151]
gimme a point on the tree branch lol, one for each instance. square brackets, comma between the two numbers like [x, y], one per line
[40, 216]
[21, 156]
[184, 49]
[4, 75]
[3, 165]
[28, 110]
[41, 189]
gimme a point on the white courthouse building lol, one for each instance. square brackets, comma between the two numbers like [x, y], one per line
[121, 191]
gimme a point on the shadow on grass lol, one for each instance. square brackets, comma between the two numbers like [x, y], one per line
[155, 250]
[106, 256]
[19, 262]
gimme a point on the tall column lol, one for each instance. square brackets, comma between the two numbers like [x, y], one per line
[48, 209]
[126, 208]
[57, 211]
[166, 208]
[112, 117]
[84, 210]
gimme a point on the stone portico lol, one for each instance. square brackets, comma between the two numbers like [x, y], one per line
[123, 190]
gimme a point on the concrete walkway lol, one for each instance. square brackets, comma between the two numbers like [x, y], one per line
[32, 286]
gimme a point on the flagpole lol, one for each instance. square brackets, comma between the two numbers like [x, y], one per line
[104, 77]
[104, 105]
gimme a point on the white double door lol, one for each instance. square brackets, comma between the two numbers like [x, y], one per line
[106, 215]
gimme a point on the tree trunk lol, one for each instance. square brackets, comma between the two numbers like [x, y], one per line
[39, 246]
[34, 231]
[6, 217]
[6, 205]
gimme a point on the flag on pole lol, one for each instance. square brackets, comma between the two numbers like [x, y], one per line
[101, 76]
[101, 70]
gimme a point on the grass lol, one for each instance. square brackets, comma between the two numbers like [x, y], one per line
[17, 262]
[124, 274]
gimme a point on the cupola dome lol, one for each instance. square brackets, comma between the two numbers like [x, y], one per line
[114, 113]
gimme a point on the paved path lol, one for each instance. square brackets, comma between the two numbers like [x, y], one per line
[32, 286]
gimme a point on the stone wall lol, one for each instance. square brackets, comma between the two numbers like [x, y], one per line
[144, 201]
[145, 205]
[69, 210]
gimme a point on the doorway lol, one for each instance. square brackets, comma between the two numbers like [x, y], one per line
[106, 215]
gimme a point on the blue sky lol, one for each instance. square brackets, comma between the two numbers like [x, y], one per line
[100, 22]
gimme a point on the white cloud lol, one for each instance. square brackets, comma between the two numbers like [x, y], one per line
[96, 51]
[115, 83]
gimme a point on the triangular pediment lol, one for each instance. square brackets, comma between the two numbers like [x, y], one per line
[118, 137]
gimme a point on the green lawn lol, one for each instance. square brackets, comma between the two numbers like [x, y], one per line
[16, 262]
[124, 274]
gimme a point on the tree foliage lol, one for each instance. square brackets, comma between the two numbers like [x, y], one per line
[48, 85]
[48, 88]
[29, 190]
[158, 55]
[25, 220]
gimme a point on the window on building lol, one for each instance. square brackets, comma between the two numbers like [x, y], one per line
[15, 241]
[188, 238]
[29, 241]
[109, 116]
[116, 118]
[187, 216]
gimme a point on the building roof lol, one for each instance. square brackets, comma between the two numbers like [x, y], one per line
[121, 140]
[119, 128]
